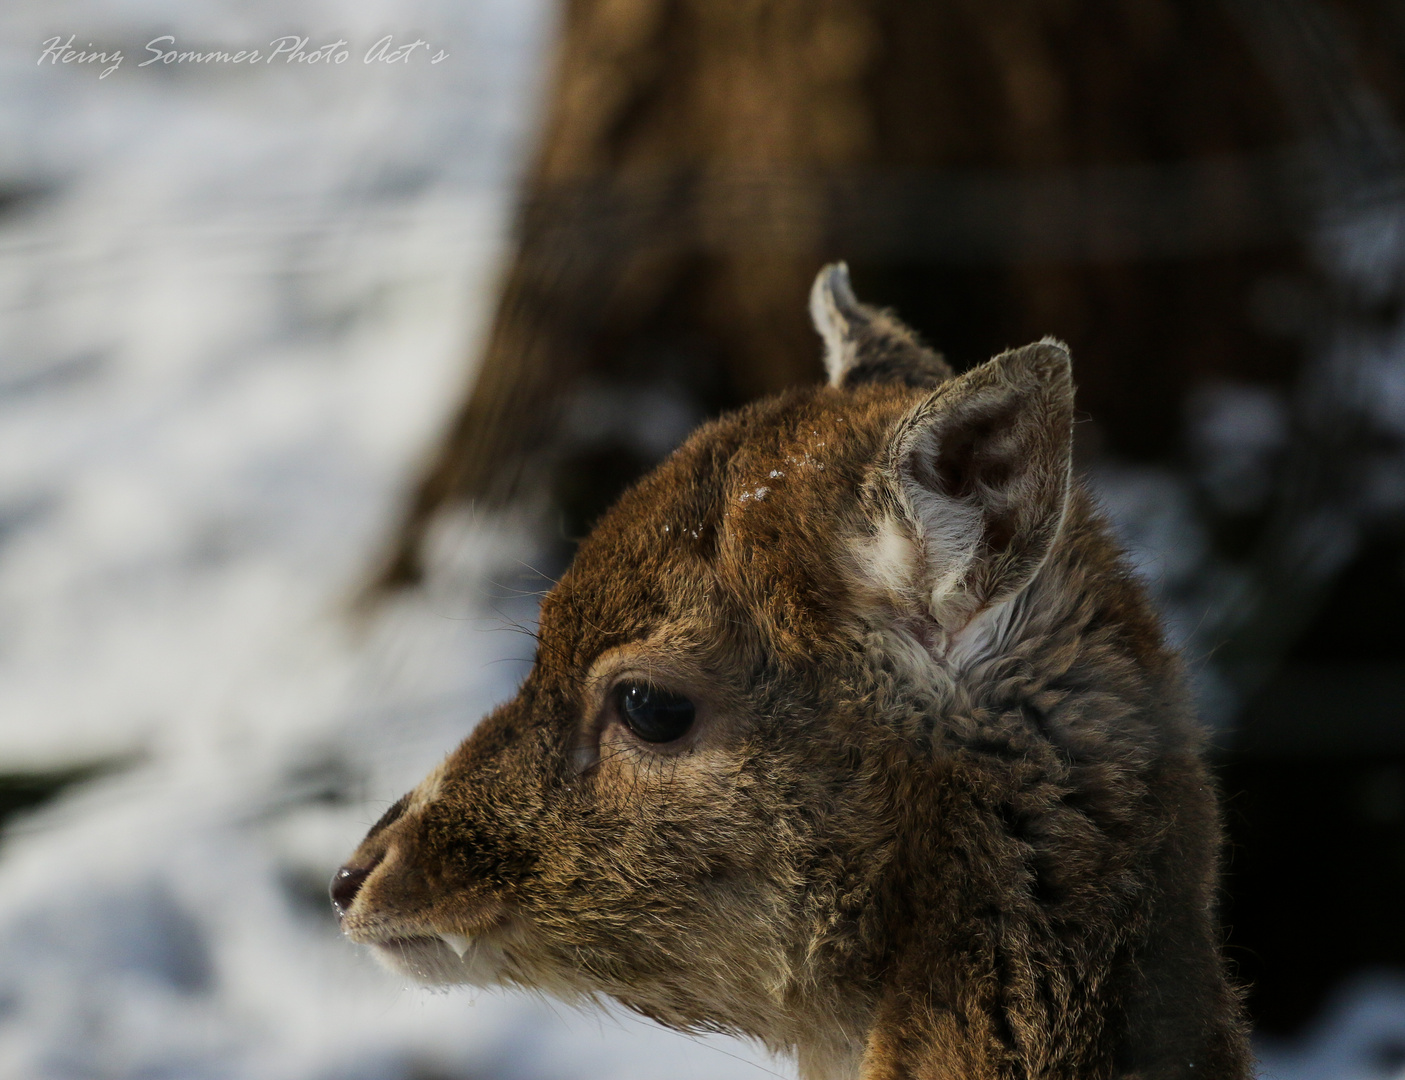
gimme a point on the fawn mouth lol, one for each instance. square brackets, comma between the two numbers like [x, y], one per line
[437, 957]
[394, 937]
[421, 946]
[458, 944]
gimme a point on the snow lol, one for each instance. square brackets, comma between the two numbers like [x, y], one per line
[232, 321]
[232, 317]
[1359, 1036]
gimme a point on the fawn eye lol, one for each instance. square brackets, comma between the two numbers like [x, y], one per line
[654, 715]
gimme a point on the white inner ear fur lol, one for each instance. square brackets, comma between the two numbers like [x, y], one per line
[898, 577]
[895, 579]
[984, 636]
[889, 560]
[948, 530]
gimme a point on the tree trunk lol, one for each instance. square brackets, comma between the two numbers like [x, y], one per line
[1115, 173]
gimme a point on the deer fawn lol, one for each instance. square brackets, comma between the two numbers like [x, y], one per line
[849, 731]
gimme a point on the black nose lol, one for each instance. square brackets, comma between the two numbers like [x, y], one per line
[346, 883]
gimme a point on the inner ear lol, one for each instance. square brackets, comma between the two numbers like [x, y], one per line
[982, 468]
[976, 452]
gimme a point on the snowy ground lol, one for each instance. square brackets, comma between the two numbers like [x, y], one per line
[231, 319]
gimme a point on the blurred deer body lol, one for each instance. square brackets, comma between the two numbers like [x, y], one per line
[849, 732]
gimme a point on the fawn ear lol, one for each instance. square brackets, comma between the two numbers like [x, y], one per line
[865, 345]
[981, 470]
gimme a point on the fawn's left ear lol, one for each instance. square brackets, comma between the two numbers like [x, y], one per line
[981, 471]
[863, 344]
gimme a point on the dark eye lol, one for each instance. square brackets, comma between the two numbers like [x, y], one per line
[654, 715]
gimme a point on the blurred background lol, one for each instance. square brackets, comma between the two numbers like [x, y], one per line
[313, 370]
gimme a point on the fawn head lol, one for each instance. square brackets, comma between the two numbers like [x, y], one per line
[695, 804]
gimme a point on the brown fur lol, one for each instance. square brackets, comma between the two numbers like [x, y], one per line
[943, 811]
